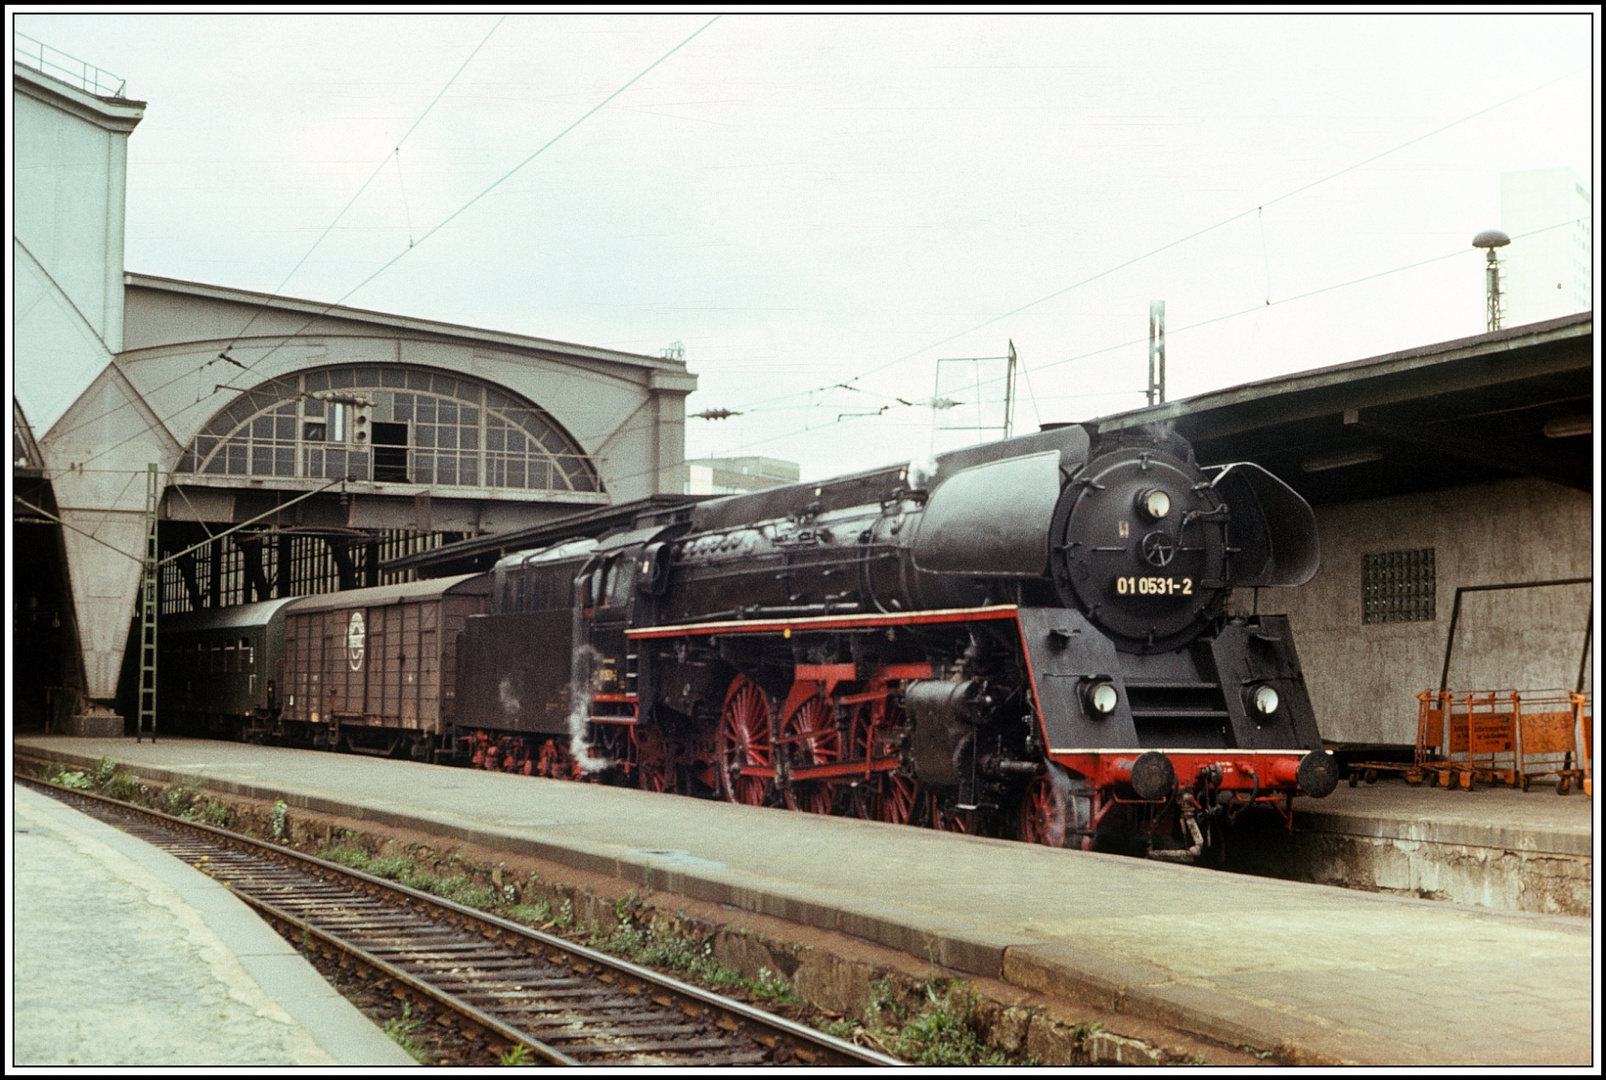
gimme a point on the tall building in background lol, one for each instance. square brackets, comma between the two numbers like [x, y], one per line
[1548, 273]
[734, 476]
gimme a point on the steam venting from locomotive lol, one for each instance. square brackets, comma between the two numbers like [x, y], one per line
[583, 664]
[510, 700]
[921, 472]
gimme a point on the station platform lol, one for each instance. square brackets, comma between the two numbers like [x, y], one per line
[1496, 847]
[1321, 975]
[126, 956]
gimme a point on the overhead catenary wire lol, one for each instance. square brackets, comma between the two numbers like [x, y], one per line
[285, 339]
[262, 305]
[371, 178]
[760, 406]
[882, 414]
[1256, 209]
[901, 404]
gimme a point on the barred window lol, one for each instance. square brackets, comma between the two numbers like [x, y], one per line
[427, 427]
[1398, 586]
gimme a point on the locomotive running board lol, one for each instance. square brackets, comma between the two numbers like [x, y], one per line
[825, 622]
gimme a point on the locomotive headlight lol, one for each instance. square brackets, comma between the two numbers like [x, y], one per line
[1102, 697]
[1264, 699]
[1154, 503]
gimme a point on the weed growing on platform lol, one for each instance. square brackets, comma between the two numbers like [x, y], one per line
[691, 956]
[461, 890]
[773, 987]
[75, 780]
[120, 785]
[216, 813]
[883, 1000]
[1083, 1032]
[519, 1055]
[532, 914]
[401, 1030]
[278, 818]
[836, 1027]
[105, 778]
[177, 799]
[938, 1033]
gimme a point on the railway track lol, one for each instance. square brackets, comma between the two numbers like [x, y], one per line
[505, 983]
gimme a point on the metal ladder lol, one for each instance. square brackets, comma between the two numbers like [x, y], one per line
[147, 612]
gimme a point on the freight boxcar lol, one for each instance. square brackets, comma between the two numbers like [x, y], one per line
[375, 670]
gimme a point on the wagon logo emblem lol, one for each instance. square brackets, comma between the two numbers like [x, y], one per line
[356, 640]
[1158, 549]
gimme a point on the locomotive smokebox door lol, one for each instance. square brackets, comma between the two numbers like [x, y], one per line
[1140, 546]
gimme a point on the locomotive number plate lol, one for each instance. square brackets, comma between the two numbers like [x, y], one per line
[1154, 586]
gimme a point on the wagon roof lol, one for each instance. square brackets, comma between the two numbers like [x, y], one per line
[428, 589]
[240, 616]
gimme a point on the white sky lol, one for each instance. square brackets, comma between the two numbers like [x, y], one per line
[811, 199]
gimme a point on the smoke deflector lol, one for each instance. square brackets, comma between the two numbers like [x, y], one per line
[991, 520]
[1278, 549]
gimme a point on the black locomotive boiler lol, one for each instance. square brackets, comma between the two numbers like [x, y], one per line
[1035, 638]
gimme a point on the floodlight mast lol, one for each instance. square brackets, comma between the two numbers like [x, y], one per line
[1489, 240]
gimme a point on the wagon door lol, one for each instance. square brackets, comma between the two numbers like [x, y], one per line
[429, 665]
[380, 693]
[413, 658]
[325, 674]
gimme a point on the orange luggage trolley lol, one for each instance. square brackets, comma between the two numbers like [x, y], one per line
[1462, 739]
[1586, 738]
[1548, 739]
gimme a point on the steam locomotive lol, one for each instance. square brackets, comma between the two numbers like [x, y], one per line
[1027, 637]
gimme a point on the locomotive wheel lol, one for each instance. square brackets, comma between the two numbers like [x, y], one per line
[932, 815]
[1047, 815]
[655, 768]
[812, 738]
[614, 745]
[884, 796]
[547, 762]
[888, 797]
[959, 821]
[744, 743]
[1042, 815]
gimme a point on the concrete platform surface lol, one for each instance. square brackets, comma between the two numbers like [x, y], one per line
[1495, 817]
[1322, 974]
[126, 956]
[1494, 847]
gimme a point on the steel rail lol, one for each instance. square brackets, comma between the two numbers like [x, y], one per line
[483, 945]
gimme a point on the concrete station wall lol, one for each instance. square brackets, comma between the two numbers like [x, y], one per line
[1364, 678]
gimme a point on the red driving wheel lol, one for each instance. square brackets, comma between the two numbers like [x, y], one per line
[812, 738]
[745, 758]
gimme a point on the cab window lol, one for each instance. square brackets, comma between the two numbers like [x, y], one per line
[619, 578]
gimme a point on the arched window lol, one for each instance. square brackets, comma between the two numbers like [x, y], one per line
[391, 424]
